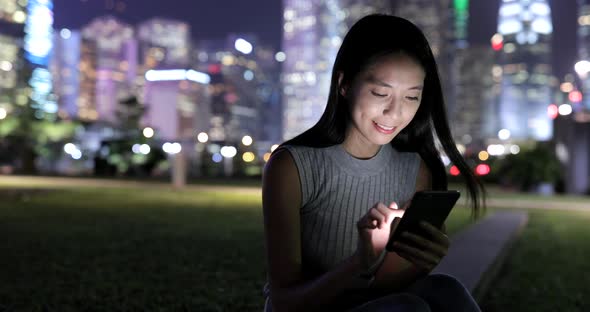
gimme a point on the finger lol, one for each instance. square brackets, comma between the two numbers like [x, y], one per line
[385, 211]
[366, 223]
[437, 235]
[375, 214]
[395, 211]
[372, 219]
[439, 250]
[416, 253]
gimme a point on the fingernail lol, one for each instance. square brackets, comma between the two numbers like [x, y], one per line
[393, 205]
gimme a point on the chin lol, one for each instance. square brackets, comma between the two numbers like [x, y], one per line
[382, 139]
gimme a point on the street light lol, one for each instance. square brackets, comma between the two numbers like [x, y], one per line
[202, 137]
[565, 109]
[228, 152]
[172, 148]
[248, 157]
[243, 46]
[582, 68]
[504, 134]
[247, 140]
[148, 132]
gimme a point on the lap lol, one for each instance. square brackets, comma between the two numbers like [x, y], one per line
[438, 292]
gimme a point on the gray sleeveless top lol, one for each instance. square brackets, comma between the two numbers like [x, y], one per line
[337, 190]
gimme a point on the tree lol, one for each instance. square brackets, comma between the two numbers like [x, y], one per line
[531, 167]
[31, 129]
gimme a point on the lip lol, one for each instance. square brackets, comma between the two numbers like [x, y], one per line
[383, 130]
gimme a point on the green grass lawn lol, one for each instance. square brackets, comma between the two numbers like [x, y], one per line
[548, 268]
[153, 248]
[131, 249]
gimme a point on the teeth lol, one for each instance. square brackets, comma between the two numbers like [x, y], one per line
[384, 127]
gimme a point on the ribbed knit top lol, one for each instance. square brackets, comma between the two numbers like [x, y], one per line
[337, 190]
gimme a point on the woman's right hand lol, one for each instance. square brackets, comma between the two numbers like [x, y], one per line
[374, 229]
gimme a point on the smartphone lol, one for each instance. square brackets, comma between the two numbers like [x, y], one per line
[430, 206]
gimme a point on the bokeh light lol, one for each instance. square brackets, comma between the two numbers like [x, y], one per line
[203, 137]
[482, 169]
[228, 151]
[565, 109]
[552, 111]
[148, 132]
[483, 155]
[247, 140]
[248, 157]
[504, 134]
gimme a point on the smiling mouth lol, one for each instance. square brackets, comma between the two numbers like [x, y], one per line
[384, 127]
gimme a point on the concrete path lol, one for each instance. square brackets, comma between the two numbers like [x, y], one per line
[551, 203]
[477, 252]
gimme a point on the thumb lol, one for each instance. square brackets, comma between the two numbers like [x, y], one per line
[397, 213]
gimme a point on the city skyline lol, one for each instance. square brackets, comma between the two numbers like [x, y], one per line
[264, 19]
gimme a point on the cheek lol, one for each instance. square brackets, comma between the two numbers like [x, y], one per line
[410, 114]
[364, 108]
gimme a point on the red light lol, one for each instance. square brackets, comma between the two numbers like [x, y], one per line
[497, 46]
[552, 111]
[214, 68]
[454, 171]
[575, 96]
[497, 42]
[482, 169]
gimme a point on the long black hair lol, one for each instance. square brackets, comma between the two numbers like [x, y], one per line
[369, 39]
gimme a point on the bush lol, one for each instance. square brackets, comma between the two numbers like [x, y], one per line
[530, 167]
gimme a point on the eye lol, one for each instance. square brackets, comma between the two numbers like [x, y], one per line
[378, 94]
[412, 98]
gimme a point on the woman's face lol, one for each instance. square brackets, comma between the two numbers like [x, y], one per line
[384, 99]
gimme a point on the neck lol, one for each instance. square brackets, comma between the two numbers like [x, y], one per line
[359, 147]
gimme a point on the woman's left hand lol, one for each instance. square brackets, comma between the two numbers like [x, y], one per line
[424, 252]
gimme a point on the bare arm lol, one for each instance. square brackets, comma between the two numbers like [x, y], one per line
[281, 200]
[396, 272]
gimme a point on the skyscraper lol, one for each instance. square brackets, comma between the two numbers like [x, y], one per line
[164, 44]
[572, 132]
[109, 45]
[584, 45]
[12, 18]
[244, 88]
[474, 94]
[435, 19]
[523, 46]
[66, 74]
[312, 33]
[175, 106]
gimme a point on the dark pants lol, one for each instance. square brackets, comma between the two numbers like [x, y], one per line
[433, 293]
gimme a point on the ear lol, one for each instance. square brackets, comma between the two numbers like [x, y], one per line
[342, 89]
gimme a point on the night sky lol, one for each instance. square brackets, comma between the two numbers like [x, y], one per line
[215, 19]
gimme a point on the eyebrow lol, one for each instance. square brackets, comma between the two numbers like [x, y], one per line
[384, 84]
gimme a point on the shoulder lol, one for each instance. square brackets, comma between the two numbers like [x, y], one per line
[281, 164]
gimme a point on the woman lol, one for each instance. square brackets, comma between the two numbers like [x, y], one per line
[332, 195]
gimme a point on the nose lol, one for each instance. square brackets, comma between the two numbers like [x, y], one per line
[393, 109]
